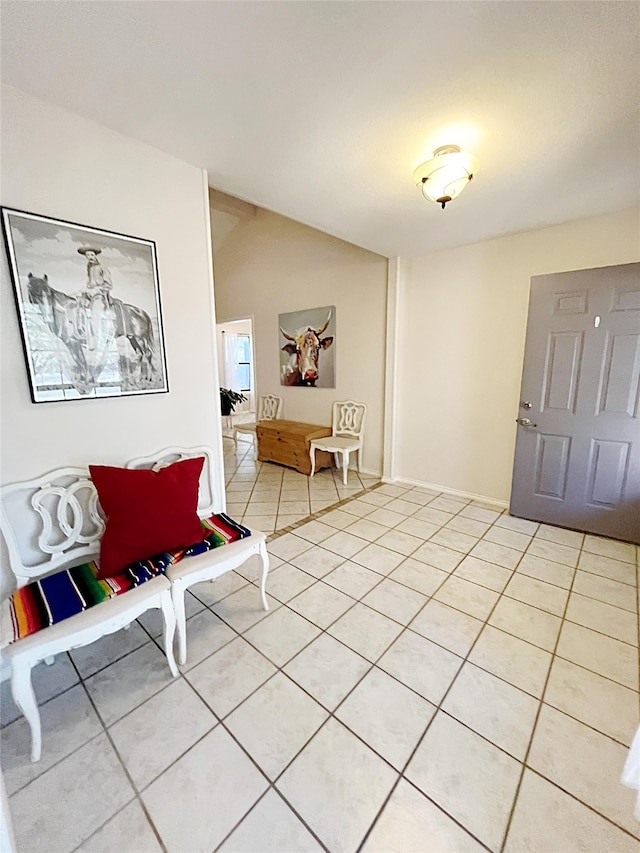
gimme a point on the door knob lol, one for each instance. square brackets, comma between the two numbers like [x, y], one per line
[525, 422]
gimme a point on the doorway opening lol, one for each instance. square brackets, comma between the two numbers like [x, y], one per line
[236, 360]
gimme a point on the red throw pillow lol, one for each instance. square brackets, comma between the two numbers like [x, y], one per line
[148, 512]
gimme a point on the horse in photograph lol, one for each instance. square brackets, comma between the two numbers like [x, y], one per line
[59, 312]
[135, 325]
[88, 326]
[305, 346]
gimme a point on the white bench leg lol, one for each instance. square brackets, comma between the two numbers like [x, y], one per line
[25, 699]
[169, 629]
[312, 456]
[264, 556]
[177, 597]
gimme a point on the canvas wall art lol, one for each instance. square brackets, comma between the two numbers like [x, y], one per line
[307, 348]
[89, 309]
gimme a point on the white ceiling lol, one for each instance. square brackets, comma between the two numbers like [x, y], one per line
[321, 110]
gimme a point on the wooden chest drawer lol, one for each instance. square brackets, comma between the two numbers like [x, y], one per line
[288, 442]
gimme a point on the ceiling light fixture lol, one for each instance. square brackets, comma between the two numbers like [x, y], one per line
[445, 176]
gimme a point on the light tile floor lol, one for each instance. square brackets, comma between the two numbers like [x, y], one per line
[433, 675]
[272, 497]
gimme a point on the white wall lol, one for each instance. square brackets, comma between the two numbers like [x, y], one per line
[462, 324]
[60, 165]
[271, 265]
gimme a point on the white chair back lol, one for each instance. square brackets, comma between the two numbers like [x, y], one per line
[269, 408]
[348, 418]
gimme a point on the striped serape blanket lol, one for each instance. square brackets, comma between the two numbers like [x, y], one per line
[223, 531]
[51, 599]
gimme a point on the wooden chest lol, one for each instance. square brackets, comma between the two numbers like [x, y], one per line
[287, 442]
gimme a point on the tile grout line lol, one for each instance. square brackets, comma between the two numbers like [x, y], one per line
[279, 794]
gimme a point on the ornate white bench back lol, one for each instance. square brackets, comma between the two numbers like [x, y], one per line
[56, 521]
[50, 523]
[209, 499]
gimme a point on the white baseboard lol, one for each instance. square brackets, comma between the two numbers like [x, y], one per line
[447, 491]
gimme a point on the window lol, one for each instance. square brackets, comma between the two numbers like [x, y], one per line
[244, 362]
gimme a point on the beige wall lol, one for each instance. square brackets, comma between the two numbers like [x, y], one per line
[271, 265]
[61, 165]
[462, 324]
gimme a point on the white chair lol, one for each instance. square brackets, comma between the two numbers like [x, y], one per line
[269, 409]
[50, 524]
[211, 564]
[347, 430]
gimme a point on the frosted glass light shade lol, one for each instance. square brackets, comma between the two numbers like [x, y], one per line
[445, 176]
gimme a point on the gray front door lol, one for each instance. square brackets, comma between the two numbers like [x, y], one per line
[577, 461]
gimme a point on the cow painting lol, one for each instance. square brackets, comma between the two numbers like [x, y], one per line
[304, 346]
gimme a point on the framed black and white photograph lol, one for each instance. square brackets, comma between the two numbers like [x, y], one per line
[89, 309]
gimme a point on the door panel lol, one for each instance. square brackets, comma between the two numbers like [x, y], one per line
[563, 365]
[551, 465]
[621, 375]
[577, 461]
[607, 472]
[571, 303]
[626, 297]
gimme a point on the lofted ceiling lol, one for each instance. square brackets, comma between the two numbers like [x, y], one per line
[321, 111]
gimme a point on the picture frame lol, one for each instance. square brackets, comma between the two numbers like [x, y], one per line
[89, 309]
[307, 347]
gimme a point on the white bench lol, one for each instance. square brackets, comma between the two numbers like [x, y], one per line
[53, 523]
